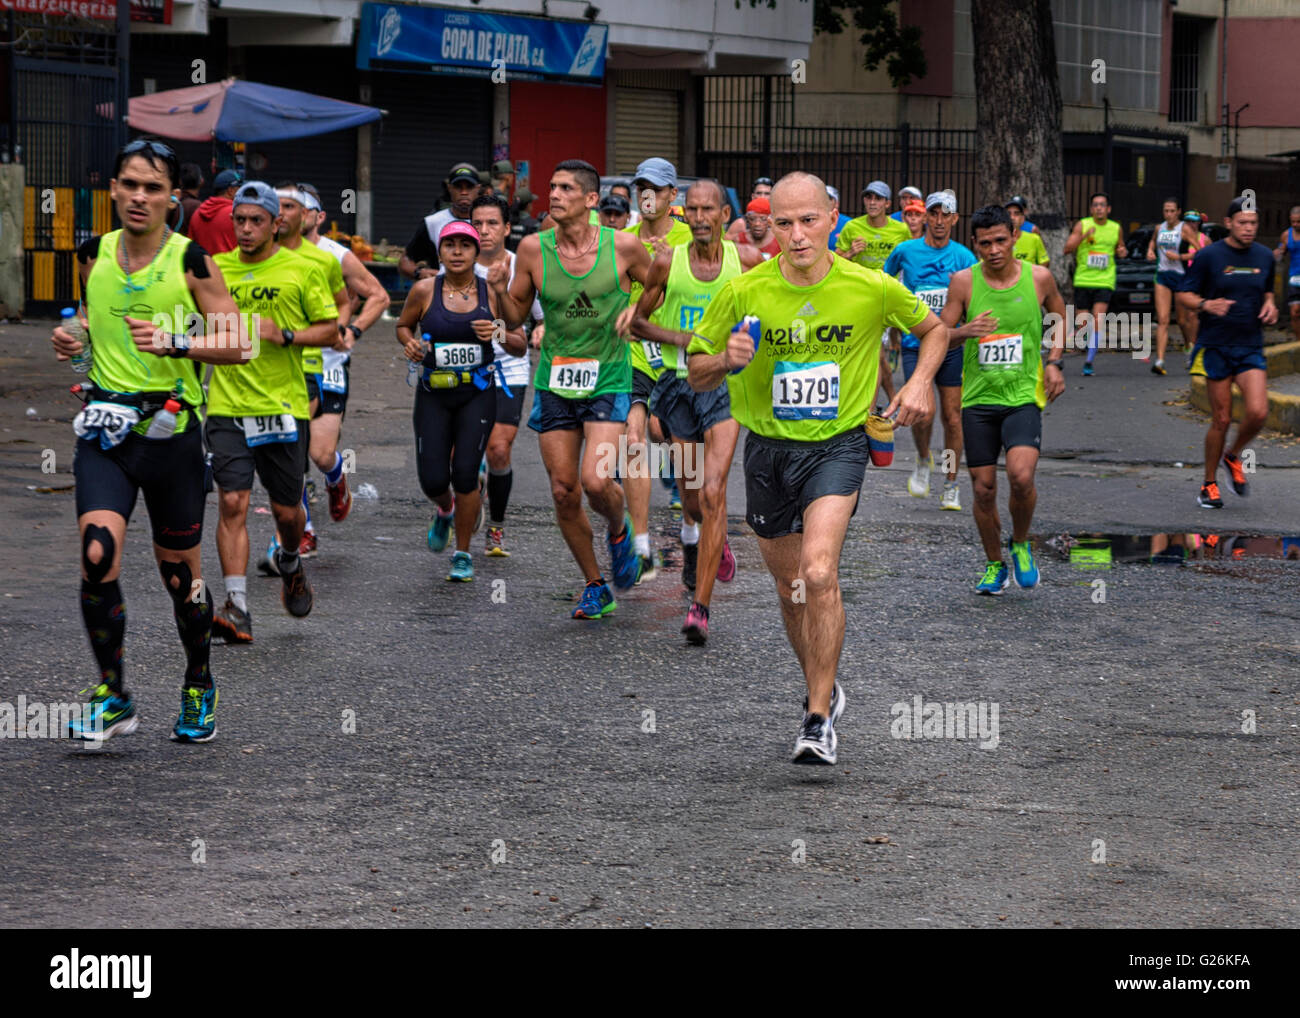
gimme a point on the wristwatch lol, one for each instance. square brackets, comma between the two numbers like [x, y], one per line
[355, 330]
[1054, 364]
[287, 336]
[179, 346]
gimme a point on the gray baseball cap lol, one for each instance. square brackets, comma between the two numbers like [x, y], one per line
[656, 171]
[255, 192]
[878, 187]
[943, 198]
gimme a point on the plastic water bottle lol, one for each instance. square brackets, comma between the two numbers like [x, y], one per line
[163, 424]
[414, 368]
[750, 324]
[72, 326]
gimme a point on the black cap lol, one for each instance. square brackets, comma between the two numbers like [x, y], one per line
[1015, 200]
[615, 203]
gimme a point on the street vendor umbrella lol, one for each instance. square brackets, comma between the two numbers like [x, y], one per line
[234, 110]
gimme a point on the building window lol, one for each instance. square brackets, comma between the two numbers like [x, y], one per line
[1185, 72]
[1119, 39]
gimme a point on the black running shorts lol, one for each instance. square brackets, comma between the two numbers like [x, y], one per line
[782, 478]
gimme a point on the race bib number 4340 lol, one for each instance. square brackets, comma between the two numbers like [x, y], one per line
[803, 392]
[573, 377]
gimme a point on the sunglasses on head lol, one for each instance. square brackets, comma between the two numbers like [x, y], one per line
[156, 147]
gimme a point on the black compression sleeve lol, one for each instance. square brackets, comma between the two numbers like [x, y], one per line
[194, 260]
[89, 250]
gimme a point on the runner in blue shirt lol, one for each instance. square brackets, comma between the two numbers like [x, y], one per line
[1230, 284]
[834, 192]
[924, 265]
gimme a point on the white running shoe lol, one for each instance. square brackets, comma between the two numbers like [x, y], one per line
[951, 496]
[918, 485]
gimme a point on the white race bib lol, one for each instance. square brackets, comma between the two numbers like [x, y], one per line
[654, 353]
[110, 421]
[273, 428]
[573, 377]
[1001, 351]
[334, 379]
[1098, 260]
[803, 392]
[455, 356]
[934, 299]
[1294, 281]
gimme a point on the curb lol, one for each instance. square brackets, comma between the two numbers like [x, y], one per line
[1283, 409]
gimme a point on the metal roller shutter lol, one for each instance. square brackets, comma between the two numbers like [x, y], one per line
[647, 122]
[433, 122]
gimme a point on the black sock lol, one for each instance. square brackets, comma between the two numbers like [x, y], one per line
[287, 561]
[104, 613]
[194, 624]
[498, 489]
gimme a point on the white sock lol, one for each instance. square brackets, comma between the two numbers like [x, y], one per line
[642, 544]
[237, 591]
[690, 533]
[309, 528]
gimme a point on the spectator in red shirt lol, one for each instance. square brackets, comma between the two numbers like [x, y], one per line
[212, 226]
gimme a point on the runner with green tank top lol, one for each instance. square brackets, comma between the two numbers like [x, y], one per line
[582, 275]
[995, 309]
[656, 185]
[683, 282]
[797, 340]
[258, 417]
[1095, 243]
[154, 304]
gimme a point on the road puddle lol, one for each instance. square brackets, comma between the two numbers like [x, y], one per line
[1087, 551]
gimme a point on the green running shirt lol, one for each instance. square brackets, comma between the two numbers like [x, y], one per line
[156, 293]
[1094, 260]
[291, 290]
[1004, 368]
[880, 240]
[582, 356]
[644, 351]
[687, 298]
[332, 276]
[814, 374]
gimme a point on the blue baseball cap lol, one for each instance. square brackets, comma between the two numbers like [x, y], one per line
[656, 171]
[255, 192]
[227, 178]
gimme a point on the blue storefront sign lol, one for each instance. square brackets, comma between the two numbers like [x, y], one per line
[447, 40]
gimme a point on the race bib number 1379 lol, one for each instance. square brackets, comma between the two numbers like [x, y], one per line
[806, 391]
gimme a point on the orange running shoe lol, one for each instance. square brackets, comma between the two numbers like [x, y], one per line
[1236, 474]
[1209, 497]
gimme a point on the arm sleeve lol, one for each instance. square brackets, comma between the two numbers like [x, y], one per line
[194, 260]
[903, 309]
[89, 250]
[710, 334]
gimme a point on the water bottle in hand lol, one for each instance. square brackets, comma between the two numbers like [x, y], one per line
[71, 324]
[751, 325]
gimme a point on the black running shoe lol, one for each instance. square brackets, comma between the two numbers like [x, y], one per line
[816, 743]
[295, 594]
[235, 626]
[690, 554]
[1209, 498]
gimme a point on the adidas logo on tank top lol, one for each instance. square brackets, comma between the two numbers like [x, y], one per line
[581, 307]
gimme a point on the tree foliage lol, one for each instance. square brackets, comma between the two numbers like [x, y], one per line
[898, 47]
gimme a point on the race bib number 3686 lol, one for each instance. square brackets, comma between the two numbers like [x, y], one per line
[803, 392]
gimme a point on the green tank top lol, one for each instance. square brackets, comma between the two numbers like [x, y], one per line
[1004, 368]
[687, 298]
[1094, 260]
[156, 293]
[582, 356]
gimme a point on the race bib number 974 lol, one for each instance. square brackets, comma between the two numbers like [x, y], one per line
[803, 392]
[272, 428]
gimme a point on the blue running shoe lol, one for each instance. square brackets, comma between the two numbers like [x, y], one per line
[462, 567]
[440, 529]
[627, 563]
[1087, 368]
[1022, 563]
[995, 579]
[267, 565]
[106, 714]
[597, 601]
[198, 720]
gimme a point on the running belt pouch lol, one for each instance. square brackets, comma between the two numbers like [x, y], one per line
[880, 440]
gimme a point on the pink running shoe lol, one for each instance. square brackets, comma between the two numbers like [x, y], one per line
[727, 567]
[696, 626]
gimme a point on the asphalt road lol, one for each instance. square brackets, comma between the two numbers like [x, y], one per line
[504, 768]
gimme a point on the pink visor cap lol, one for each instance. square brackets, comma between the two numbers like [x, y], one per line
[459, 228]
